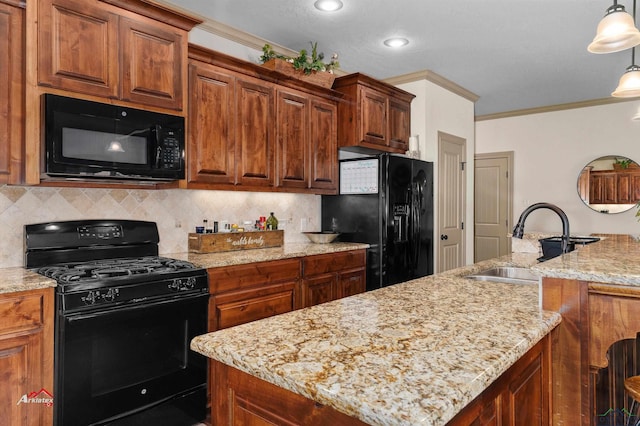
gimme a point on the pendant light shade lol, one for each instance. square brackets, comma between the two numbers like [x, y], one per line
[616, 32]
[629, 85]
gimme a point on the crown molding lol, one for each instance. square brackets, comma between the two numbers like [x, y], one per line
[435, 79]
[553, 108]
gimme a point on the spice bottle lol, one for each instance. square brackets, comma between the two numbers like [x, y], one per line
[272, 222]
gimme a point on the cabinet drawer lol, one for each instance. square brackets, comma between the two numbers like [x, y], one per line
[244, 276]
[245, 306]
[324, 263]
[20, 312]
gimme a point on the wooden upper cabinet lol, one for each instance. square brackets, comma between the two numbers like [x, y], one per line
[323, 169]
[11, 93]
[374, 115]
[211, 149]
[78, 47]
[254, 132]
[613, 186]
[603, 188]
[152, 63]
[293, 136]
[248, 130]
[91, 47]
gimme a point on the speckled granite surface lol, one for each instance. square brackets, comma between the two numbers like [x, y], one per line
[413, 353]
[615, 259]
[291, 250]
[20, 279]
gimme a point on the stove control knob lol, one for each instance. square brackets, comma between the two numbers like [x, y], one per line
[111, 295]
[91, 297]
[182, 284]
[190, 283]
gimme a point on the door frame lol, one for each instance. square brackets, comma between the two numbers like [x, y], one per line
[509, 156]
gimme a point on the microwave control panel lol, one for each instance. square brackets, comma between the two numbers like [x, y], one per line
[169, 155]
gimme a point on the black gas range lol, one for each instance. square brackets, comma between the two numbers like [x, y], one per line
[124, 319]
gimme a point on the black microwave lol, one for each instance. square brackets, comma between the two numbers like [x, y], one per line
[84, 139]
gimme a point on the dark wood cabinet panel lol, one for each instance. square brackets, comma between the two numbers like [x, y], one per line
[254, 132]
[293, 135]
[152, 62]
[26, 355]
[603, 188]
[374, 116]
[352, 282]
[78, 47]
[244, 306]
[318, 289]
[11, 93]
[399, 124]
[211, 154]
[323, 167]
[613, 186]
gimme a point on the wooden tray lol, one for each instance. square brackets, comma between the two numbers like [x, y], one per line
[231, 241]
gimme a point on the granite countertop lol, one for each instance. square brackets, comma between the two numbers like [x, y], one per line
[21, 279]
[287, 251]
[612, 260]
[412, 353]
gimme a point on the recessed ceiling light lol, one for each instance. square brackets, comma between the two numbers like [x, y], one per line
[328, 5]
[396, 42]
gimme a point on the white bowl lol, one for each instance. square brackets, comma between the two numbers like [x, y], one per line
[321, 237]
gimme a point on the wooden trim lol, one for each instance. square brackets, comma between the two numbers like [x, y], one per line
[159, 12]
[436, 79]
[552, 108]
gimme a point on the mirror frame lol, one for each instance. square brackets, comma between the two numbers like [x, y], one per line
[604, 179]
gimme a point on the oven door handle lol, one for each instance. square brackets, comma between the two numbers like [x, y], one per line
[74, 317]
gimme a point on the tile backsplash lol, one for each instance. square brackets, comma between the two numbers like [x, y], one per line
[176, 211]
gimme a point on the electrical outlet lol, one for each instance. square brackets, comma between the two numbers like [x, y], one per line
[178, 224]
[303, 224]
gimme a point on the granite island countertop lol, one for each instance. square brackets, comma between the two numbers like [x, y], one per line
[17, 279]
[412, 353]
[615, 259]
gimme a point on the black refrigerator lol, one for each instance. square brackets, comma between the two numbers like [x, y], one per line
[387, 202]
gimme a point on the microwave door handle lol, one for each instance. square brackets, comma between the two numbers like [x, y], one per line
[156, 136]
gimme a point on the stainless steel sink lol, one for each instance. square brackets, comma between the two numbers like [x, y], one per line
[507, 274]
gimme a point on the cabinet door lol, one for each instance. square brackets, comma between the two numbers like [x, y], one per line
[292, 133]
[351, 282]
[318, 289]
[211, 155]
[11, 93]
[244, 306]
[152, 64]
[399, 124]
[254, 133]
[623, 188]
[635, 187]
[26, 357]
[78, 47]
[324, 145]
[603, 188]
[523, 401]
[374, 117]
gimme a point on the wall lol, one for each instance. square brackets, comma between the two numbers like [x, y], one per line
[176, 211]
[550, 150]
[434, 110]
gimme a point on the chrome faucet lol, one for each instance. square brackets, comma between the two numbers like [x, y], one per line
[518, 230]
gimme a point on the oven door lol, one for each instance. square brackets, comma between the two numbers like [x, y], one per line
[114, 363]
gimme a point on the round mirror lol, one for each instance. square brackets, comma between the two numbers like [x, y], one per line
[610, 184]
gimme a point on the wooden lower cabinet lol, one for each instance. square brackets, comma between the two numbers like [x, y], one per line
[26, 357]
[519, 397]
[333, 276]
[250, 292]
[595, 316]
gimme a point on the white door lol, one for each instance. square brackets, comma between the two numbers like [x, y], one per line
[493, 207]
[451, 201]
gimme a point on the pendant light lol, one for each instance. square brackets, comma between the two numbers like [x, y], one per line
[616, 31]
[629, 84]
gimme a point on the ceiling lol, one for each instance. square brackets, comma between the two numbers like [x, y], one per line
[513, 54]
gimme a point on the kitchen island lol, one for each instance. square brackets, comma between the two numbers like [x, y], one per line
[413, 353]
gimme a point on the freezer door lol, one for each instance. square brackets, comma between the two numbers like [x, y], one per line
[408, 243]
